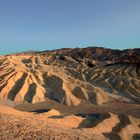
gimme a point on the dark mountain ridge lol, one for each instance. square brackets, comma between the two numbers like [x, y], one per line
[98, 55]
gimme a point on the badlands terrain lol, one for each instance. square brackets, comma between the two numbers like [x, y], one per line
[70, 94]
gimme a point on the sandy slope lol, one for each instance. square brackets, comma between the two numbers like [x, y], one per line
[54, 125]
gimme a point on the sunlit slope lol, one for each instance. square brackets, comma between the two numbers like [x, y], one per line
[55, 125]
[36, 77]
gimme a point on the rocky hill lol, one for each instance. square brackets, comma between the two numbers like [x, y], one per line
[70, 76]
[80, 93]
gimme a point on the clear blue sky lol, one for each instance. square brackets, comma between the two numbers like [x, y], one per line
[52, 24]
